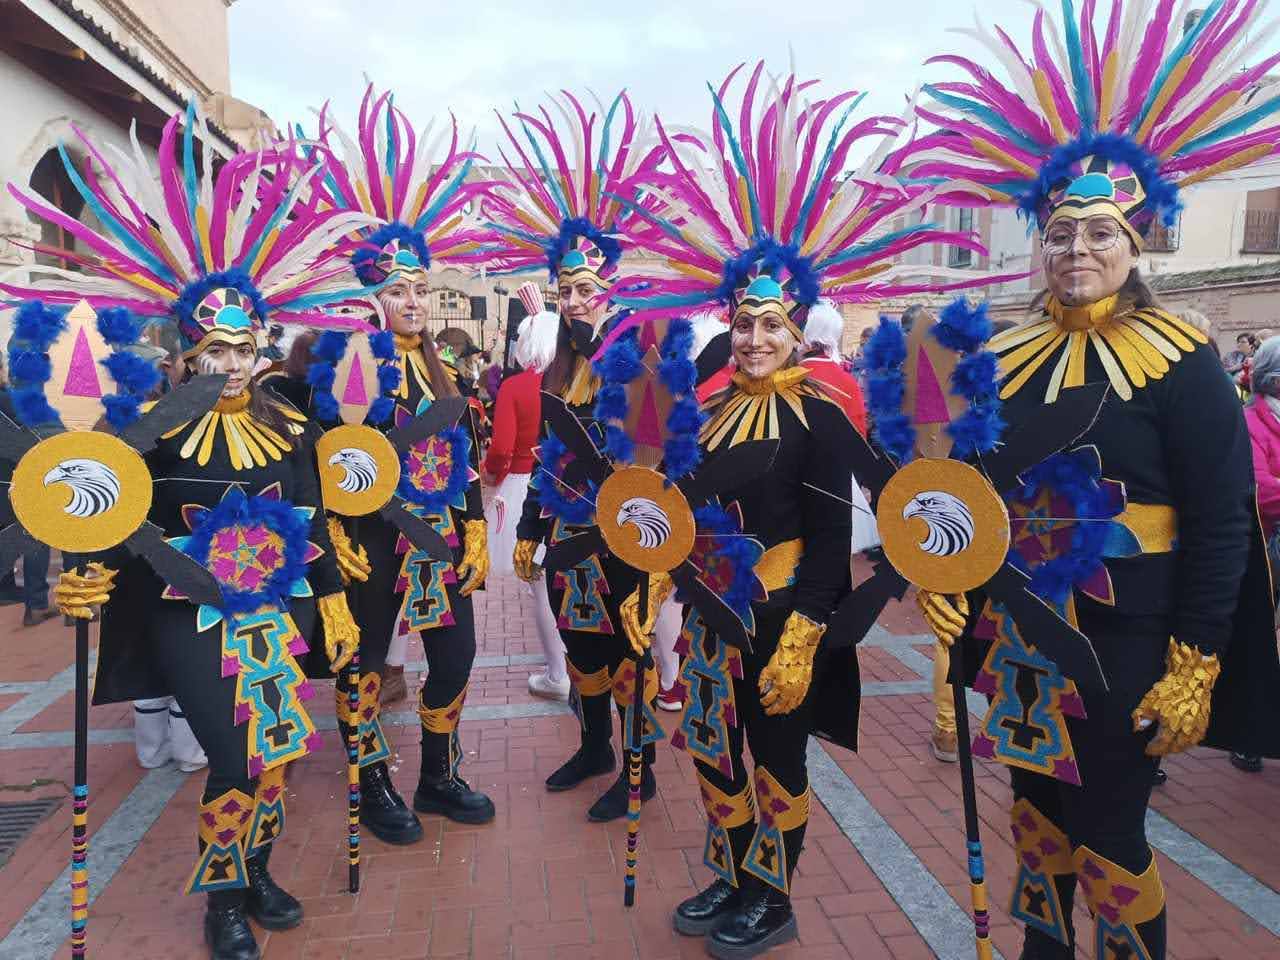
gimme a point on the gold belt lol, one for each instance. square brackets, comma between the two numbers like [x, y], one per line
[1154, 524]
[777, 568]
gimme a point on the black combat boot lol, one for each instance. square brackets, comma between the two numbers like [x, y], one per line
[226, 927]
[700, 913]
[272, 906]
[763, 920]
[382, 810]
[441, 790]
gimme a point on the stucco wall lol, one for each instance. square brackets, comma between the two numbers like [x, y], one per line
[195, 31]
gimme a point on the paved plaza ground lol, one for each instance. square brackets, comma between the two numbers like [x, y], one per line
[883, 873]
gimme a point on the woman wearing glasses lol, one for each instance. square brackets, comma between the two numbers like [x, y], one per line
[1163, 571]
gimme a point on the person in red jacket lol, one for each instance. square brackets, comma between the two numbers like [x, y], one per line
[509, 466]
[822, 356]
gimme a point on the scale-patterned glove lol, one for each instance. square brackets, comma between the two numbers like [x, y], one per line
[785, 679]
[474, 566]
[353, 562]
[641, 634]
[341, 635]
[522, 560]
[1179, 701]
[943, 615]
[77, 594]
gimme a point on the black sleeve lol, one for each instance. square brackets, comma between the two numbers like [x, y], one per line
[533, 525]
[1209, 459]
[475, 492]
[823, 575]
[323, 573]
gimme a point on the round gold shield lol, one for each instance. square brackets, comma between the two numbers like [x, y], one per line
[81, 491]
[943, 525]
[359, 470]
[645, 523]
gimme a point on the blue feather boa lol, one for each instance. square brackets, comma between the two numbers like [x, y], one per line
[576, 510]
[365, 260]
[966, 330]
[436, 502]
[35, 328]
[681, 454]
[134, 376]
[571, 228]
[729, 545]
[278, 516]
[1077, 476]
[884, 355]
[1162, 194]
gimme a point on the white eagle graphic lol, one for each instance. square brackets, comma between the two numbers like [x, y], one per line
[648, 518]
[949, 520]
[359, 469]
[95, 488]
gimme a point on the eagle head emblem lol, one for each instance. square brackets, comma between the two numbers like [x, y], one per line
[949, 521]
[648, 518]
[359, 470]
[95, 488]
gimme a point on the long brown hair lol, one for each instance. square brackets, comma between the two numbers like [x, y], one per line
[555, 379]
[442, 384]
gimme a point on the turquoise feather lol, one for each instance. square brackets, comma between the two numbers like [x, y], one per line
[1080, 79]
[551, 181]
[1239, 125]
[739, 160]
[1171, 61]
[864, 249]
[812, 195]
[189, 173]
[988, 117]
[252, 253]
[604, 138]
[430, 213]
[118, 230]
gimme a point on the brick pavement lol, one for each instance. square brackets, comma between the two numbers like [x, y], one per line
[540, 881]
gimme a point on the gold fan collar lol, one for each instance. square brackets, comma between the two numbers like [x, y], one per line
[232, 404]
[778, 380]
[1082, 318]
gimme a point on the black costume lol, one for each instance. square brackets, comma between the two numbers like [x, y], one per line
[234, 673]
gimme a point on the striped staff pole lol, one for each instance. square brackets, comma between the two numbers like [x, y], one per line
[80, 800]
[635, 758]
[977, 871]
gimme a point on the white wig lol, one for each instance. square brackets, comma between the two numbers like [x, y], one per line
[824, 328]
[536, 341]
[707, 325]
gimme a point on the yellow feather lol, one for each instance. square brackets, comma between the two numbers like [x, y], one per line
[1202, 121]
[202, 228]
[1166, 91]
[1241, 158]
[1107, 97]
[992, 152]
[1045, 96]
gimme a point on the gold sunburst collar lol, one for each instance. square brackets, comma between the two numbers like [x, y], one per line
[1133, 345]
[750, 411]
[249, 442]
[411, 360]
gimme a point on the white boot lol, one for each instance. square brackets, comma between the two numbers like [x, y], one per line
[151, 732]
[186, 749]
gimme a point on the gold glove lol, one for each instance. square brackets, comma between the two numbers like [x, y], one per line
[341, 635]
[785, 679]
[474, 566]
[522, 560]
[1179, 701]
[641, 634]
[944, 616]
[76, 594]
[353, 562]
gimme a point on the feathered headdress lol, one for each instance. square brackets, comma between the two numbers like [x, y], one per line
[760, 215]
[1115, 123]
[558, 208]
[221, 256]
[417, 206]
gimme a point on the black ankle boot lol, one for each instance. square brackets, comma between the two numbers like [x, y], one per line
[589, 761]
[273, 907]
[382, 810]
[763, 920]
[1039, 946]
[700, 913]
[613, 803]
[452, 797]
[226, 927]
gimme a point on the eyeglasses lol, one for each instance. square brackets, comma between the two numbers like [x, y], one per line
[1100, 234]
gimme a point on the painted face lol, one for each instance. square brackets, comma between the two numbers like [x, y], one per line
[761, 344]
[405, 305]
[234, 359]
[581, 299]
[1086, 260]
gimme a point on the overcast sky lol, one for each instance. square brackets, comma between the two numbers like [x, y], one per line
[288, 56]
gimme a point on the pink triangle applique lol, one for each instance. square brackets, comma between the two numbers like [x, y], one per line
[648, 429]
[82, 373]
[931, 404]
[354, 392]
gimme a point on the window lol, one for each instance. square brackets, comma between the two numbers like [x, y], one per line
[1162, 239]
[49, 179]
[958, 256]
